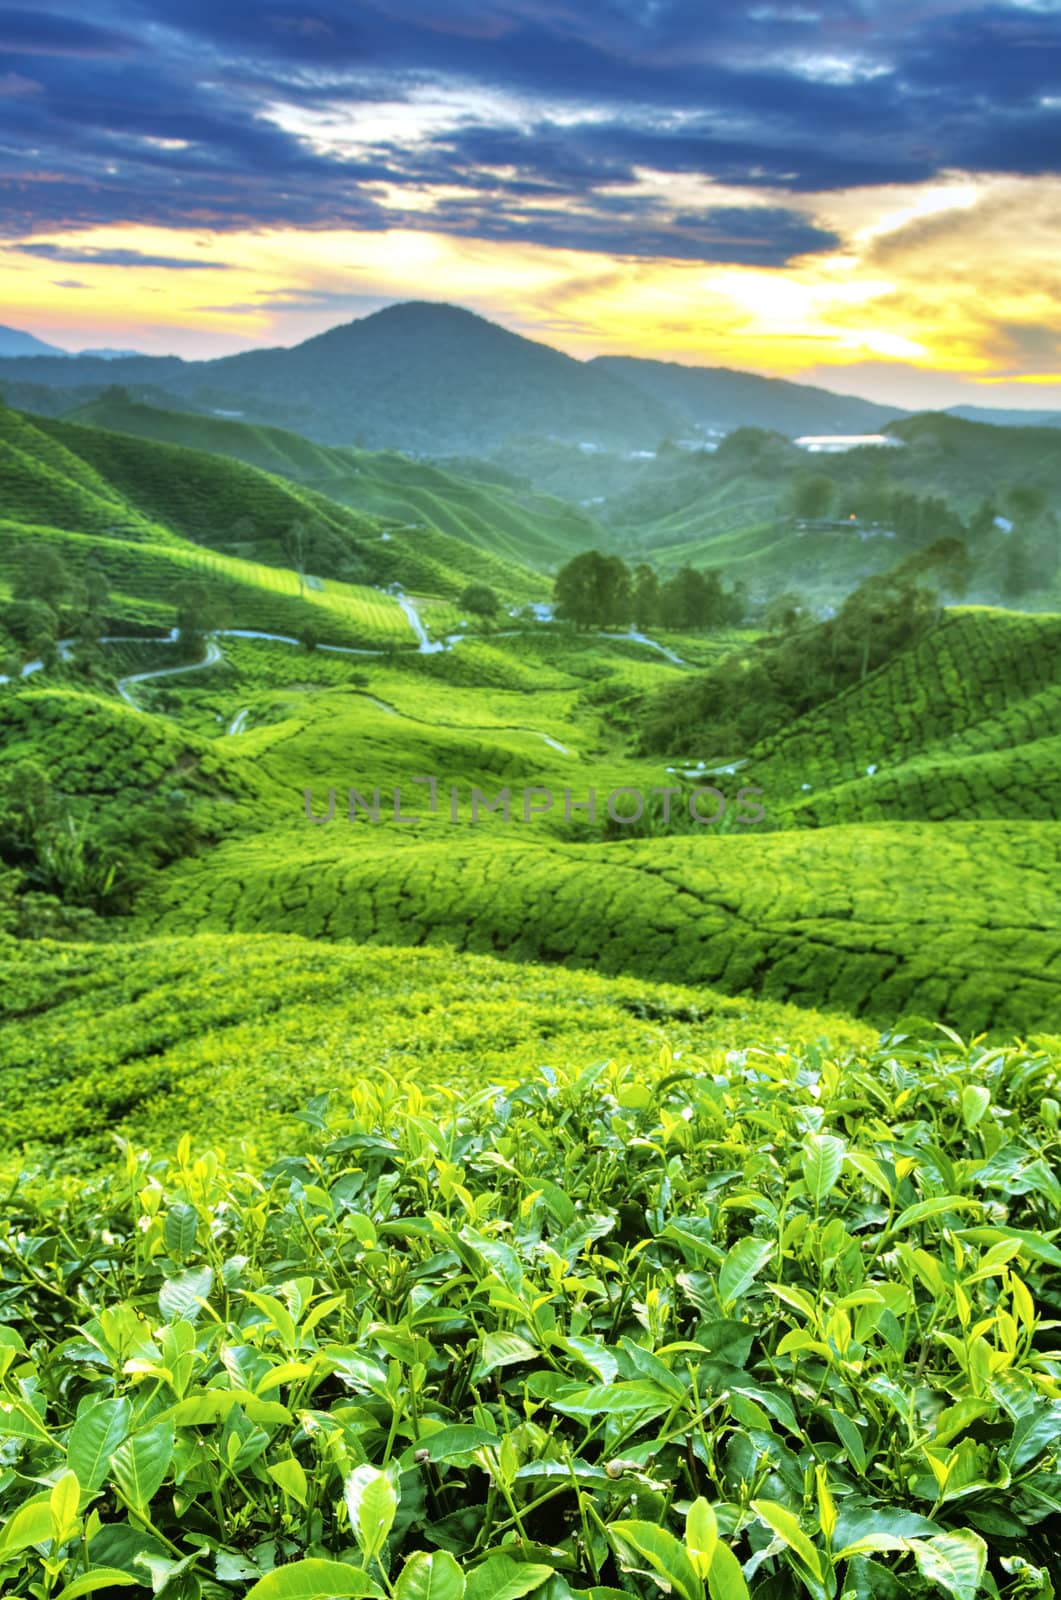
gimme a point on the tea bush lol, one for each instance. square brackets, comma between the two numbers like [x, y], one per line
[767, 1326]
[953, 920]
[227, 1035]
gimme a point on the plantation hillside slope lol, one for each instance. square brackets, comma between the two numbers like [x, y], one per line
[86, 480]
[231, 1035]
[954, 920]
[144, 585]
[966, 723]
[514, 523]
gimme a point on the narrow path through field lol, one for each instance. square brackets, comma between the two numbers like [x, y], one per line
[491, 727]
[238, 725]
[653, 644]
[212, 657]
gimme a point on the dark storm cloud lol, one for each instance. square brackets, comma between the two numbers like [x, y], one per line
[50, 33]
[161, 111]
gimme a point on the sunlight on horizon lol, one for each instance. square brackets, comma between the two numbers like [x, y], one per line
[902, 291]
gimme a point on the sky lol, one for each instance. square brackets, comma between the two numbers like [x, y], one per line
[864, 194]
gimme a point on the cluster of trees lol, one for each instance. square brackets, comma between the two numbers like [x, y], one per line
[755, 692]
[917, 518]
[62, 866]
[480, 600]
[309, 545]
[312, 547]
[595, 590]
[42, 588]
[1030, 558]
[50, 601]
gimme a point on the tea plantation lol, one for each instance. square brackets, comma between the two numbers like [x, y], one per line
[957, 922]
[775, 1322]
[496, 1205]
[965, 724]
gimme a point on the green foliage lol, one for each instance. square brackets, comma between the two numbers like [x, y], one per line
[226, 1037]
[40, 573]
[498, 518]
[748, 697]
[812, 494]
[593, 590]
[122, 489]
[480, 598]
[963, 724]
[952, 919]
[693, 600]
[725, 1329]
[33, 626]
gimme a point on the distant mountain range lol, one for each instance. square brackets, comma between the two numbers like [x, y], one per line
[1007, 419]
[437, 380]
[718, 399]
[13, 342]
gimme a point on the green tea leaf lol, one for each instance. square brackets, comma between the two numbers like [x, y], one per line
[701, 1535]
[932, 1208]
[65, 1500]
[450, 1444]
[180, 1296]
[314, 1579]
[501, 1350]
[615, 1399]
[743, 1262]
[954, 1561]
[139, 1465]
[823, 1161]
[431, 1576]
[291, 1476]
[850, 1438]
[663, 1556]
[179, 1231]
[726, 1581]
[18, 1420]
[501, 1578]
[975, 1101]
[94, 1437]
[31, 1524]
[787, 1527]
[98, 1578]
[371, 1503]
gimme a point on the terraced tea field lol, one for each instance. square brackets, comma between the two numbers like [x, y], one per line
[230, 1036]
[966, 724]
[957, 921]
[524, 1204]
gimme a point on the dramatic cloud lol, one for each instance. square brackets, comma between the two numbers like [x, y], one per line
[226, 112]
[781, 161]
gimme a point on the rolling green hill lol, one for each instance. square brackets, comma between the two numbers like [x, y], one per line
[152, 511]
[951, 920]
[826, 905]
[967, 723]
[212, 1032]
[521, 527]
[969, 461]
